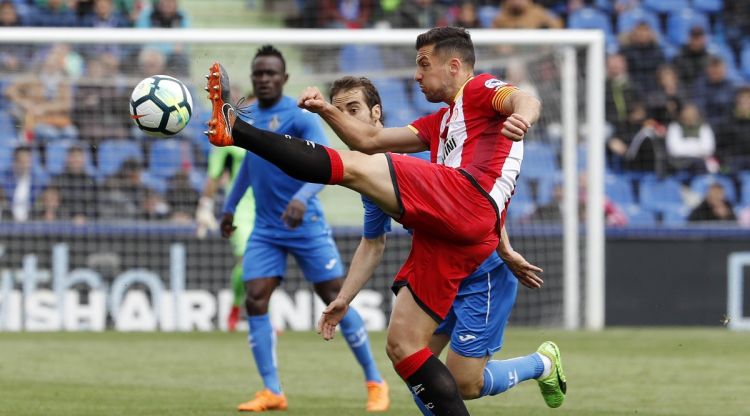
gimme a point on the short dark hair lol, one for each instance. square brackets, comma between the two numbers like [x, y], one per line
[270, 50]
[453, 40]
[372, 96]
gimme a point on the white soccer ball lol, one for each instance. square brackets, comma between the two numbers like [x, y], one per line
[161, 105]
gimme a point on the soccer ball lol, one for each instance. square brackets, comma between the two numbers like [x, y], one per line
[161, 106]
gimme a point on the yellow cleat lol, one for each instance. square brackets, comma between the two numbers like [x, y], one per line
[264, 400]
[377, 396]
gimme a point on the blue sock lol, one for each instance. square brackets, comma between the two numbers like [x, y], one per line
[262, 341]
[420, 404]
[500, 376]
[355, 334]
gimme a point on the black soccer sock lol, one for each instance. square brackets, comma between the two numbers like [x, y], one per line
[431, 381]
[301, 159]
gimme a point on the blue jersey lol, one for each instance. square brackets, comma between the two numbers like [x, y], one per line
[272, 188]
[377, 223]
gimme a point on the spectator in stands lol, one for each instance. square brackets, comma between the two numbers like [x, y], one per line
[733, 140]
[98, 108]
[47, 206]
[715, 207]
[665, 102]
[620, 92]
[691, 143]
[78, 190]
[693, 57]
[345, 14]
[550, 212]
[516, 73]
[43, 99]
[419, 14]
[643, 55]
[714, 92]
[736, 19]
[467, 15]
[182, 198]
[22, 183]
[524, 14]
[123, 196]
[3, 203]
[54, 13]
[637, 143]
[168, 15]
[104, 14]
[13, 57]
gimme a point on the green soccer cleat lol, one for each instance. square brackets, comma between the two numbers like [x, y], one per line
[553, 387]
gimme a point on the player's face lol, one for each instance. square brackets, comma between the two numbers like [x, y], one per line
[268, 79]
[432, 75]
[353, 102]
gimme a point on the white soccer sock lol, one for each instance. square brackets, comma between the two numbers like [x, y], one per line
[547, 365]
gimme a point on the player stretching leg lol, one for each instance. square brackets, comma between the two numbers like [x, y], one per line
[474, 326]
[456, 207]
[206, 221]
[289, 219]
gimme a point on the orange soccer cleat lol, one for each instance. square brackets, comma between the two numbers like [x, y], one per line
[222, 112]
[377, 396]
[264, 400]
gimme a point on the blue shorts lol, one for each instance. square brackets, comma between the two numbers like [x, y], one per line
[316, 255]
[477, 319]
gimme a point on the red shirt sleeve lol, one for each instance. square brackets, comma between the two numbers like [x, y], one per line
[487, 93]
[427, 128]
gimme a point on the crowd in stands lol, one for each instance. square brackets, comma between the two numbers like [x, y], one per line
[677, 104]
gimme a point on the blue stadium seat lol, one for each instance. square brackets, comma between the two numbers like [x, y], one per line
[591, 18]
[395, 102]
[486, 14]
[660, 195]
[112, 153]
[357, 58]
[666, 6]
[8, 131]
[6, 155]
[619, 190]
[675, 216]
[638, 217]
[57, 155]
[156, 184]
[701, 183]
[545, 189]
[582, 157]
[628, 19]
[420, 103]
[168, 156]
[539, 160]
[519, 210]
[725, 53]
[680, 23]
[744, 178]
[745, 61]
[708, 6]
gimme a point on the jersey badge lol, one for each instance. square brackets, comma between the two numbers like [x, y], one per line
[494, 83]
[274, 124]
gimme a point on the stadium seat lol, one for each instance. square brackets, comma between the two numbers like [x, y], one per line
[8, 132]
[545, 189]
[638, 217]
[745, 61]
[660, 195]
[112, 153]
[723, 51]
[486, 15]
[666, 6]
[393, 94]
[591, 18]
[420, 103]
[357, 58]
[6, 155]
[57, 155]
[539, 160]
[700, 185]
[168, 156]
[675, 216]
[708, 6]
[680, 23]
[628, 19]
[156, 184]
[744, 178]
[619, 189]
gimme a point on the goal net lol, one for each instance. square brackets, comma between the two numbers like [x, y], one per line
[114, 244]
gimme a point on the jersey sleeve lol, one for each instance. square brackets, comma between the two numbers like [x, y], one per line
[310, 127]
[427, 127]
[241, 183]
[489, 93]
[216, 161]
[376, 223]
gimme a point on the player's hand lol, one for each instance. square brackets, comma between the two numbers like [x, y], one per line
[312, 100]
[332, 315]
[227, 225]
[515, 127]
[294, 213]
[525, 272]
[204, 217]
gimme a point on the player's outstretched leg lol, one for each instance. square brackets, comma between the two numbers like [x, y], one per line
[553, 385]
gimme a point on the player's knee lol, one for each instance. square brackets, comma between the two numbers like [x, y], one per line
[256, 303]
[469, 388]
[398, 348]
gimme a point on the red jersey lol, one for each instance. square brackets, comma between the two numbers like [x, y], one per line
[467, 136]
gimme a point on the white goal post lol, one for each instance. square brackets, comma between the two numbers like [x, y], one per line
[564, 40]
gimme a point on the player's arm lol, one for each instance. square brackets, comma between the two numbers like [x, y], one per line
[524, 271]
[357, 134]
[241, 183]
[296, 208]
[204, 212]
[522, 109]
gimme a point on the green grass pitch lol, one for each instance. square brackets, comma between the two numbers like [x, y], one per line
[614, 372]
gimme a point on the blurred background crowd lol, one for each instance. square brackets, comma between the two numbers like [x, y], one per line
[677, 104]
